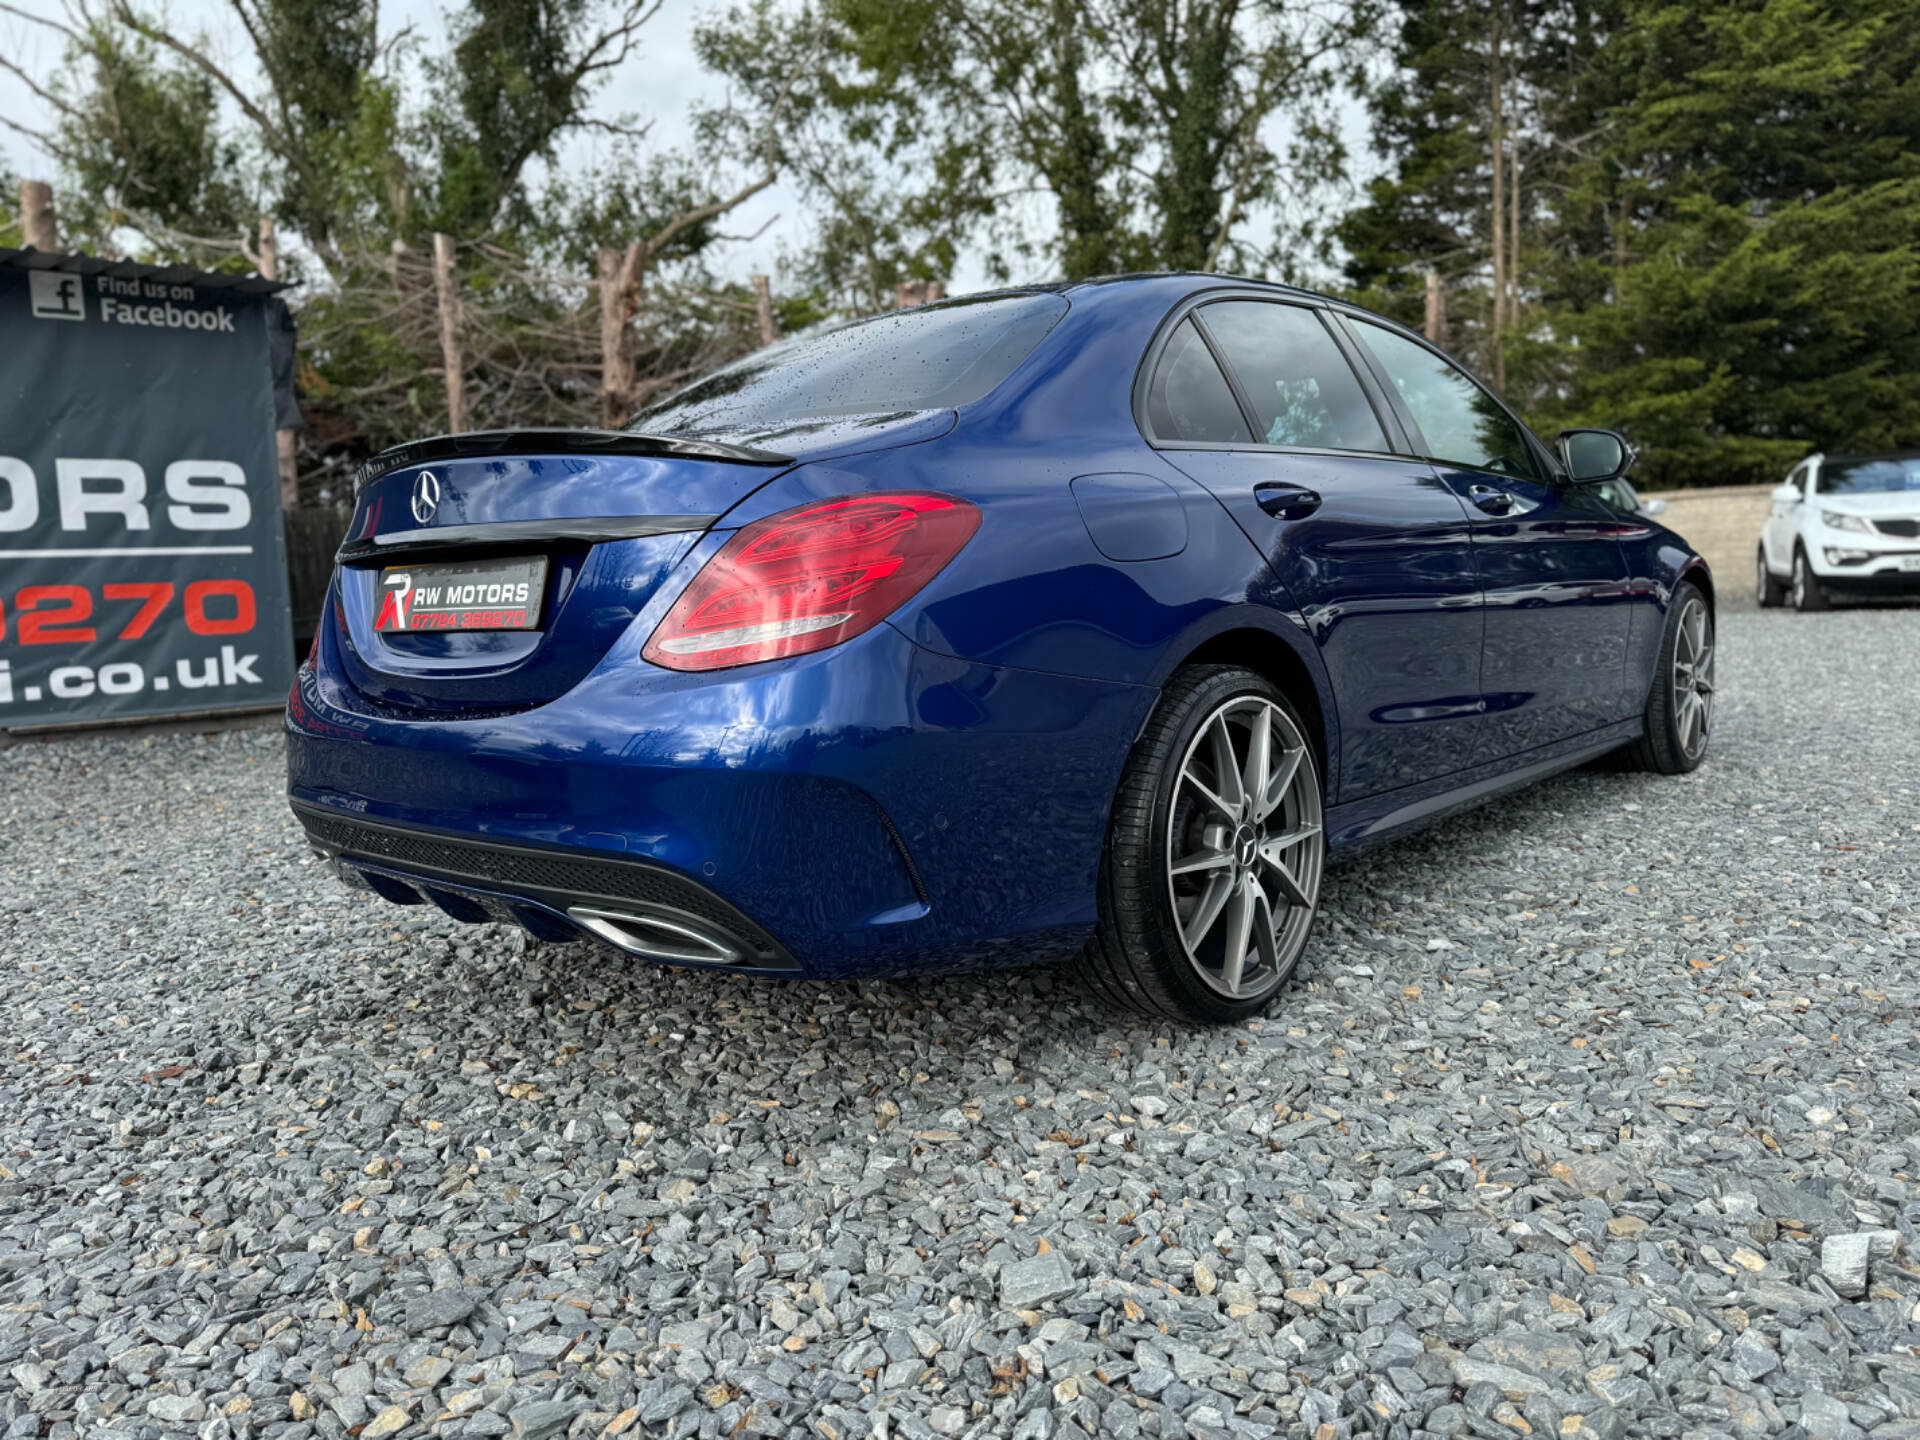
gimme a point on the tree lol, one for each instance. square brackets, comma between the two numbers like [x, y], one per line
[1146, 130]
[169, 148]
[521, 72]
[1741, 276]
[1473, 100]
[141, 140]
[1715, 246]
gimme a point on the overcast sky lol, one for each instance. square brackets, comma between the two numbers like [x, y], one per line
[659, 83]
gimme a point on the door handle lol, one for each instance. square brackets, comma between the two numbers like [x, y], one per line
[1490, 498]
[1286, 502]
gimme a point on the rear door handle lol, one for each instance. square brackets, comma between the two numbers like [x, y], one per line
[1490, 498]
[1286, 502]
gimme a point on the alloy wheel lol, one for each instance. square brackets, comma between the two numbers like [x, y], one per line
[1693, 677]
[1245, 848]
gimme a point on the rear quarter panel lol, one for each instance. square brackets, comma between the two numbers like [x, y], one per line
[1032, 589]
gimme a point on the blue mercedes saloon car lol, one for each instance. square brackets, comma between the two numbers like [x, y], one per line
[1088, 620]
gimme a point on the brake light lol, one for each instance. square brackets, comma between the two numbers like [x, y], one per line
[807, 579]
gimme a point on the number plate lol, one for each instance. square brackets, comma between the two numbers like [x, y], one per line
[462, 595]
[1910, 562]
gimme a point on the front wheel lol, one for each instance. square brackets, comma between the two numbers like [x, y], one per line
[1211, 876]
[1808, 595]
[1767, 589]
[1679, 714]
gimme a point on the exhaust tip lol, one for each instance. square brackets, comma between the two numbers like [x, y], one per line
[679, 939]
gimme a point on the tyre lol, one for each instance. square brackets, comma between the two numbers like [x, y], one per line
[1211, 876]
[1770, 591]
[1808, 594]
[1679, 716]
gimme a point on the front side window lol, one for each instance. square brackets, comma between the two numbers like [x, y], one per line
[1462, 423]
[1302, 390]
[1189, 399]
[1869, 477]
[928, 358]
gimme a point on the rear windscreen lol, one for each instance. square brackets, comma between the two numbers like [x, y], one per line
[927, 358]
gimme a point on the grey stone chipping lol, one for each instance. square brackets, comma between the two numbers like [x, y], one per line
[1571, 1125]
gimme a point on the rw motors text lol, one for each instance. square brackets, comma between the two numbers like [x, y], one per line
[200, 494]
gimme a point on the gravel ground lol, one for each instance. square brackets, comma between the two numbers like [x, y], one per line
[1594, 1114]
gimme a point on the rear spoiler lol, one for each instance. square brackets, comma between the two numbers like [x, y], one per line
[479, 444]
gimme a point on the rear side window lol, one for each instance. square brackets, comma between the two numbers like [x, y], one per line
[1462, 423]
[1300, 386]
[928, 358]
[1189, 398]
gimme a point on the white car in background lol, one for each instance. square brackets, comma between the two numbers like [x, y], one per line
[1842, 525]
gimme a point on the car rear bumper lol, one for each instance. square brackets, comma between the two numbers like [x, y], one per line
[646, 909]
[877, 808]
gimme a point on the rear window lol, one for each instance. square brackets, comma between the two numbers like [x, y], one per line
[1189, 398]
[927, 358]
[1868, 477]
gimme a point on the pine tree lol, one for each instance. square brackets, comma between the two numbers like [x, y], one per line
[1741, 283]
[1713, 245]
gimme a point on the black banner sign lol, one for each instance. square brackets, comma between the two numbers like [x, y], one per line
[141, 552]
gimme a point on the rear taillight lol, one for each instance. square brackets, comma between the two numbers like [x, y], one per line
[807, 579]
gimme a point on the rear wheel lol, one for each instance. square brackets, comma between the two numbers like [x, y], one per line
[1808, 595]
[1211, 876]
[1679, 716]
[1767, 589]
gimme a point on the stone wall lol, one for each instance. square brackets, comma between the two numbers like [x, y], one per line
[1723, 525]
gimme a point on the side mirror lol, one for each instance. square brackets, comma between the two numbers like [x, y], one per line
[1787, 494]
[1594, 456]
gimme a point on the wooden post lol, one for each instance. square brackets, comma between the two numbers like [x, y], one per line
[1436, 326]
[616, 376]
[450, 356]
[289, 466]
[39, 227]
[283, 440]
[1513, 240]
[623, 285]
[269, 249]
[1497, 141]
[763, 308]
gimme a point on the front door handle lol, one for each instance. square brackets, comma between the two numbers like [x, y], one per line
[1490, 498]
[1286, 502]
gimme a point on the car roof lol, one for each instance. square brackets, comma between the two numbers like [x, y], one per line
[1209, 277]
[1175, 286]
[1143, 278]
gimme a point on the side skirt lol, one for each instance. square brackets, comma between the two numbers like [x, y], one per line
[1358, 824]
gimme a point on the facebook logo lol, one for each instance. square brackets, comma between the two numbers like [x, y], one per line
[56, 296]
